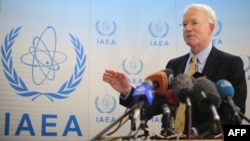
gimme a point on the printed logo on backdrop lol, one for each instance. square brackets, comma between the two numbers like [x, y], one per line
[106, 29]
[158, 30]
[45, 61]
[246, 61]
[105, 105]
[133, 67]
[216, 39]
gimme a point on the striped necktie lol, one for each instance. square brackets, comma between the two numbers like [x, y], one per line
[193, 66]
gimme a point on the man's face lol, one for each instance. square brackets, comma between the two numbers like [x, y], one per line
[197, 31]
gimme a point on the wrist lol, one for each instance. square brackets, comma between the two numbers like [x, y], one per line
[127, 91]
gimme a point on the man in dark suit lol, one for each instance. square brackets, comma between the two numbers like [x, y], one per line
[199, 22]
[219, 65]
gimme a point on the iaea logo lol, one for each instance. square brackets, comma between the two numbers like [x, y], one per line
[105, 27]
[246, 61]
[218, 28]
[106, 104]
[133, 66]
[18, 84]
[158, 29]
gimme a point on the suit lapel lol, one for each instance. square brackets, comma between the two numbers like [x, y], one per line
[182, 64]
[212, 62]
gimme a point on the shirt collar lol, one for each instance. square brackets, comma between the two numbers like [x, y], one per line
[201, 56]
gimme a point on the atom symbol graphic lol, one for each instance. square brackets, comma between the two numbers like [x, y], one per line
[45, 58]
[17, 83]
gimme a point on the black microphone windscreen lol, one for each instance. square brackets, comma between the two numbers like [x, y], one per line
[182, 87]
[205, 86]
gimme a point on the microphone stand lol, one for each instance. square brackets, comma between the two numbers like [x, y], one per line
[189, 117]
[133, 122]
[217, 119]
[212, 130]
[244, 117]
[241, 114]
[143, 124]
[133, 116]
[167, 125]
[99, 135]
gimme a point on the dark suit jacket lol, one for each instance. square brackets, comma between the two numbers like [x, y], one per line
[219, 65]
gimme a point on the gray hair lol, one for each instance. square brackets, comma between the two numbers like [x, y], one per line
[211, 16]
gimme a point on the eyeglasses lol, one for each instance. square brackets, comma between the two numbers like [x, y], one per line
[193, 24]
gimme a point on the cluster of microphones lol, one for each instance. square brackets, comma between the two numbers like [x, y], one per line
[185, 89]
[161, 92]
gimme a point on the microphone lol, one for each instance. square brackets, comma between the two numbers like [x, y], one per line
[159, 85]
[171, 98]
[161, 80]
[168, 112]
[207, 95]
[170, 103]
[144, 96]
[170, 76]
[183, 87]
[144, 93]
[226, 92]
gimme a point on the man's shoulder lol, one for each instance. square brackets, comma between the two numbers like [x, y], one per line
[224, 58]
[177, 62]
[180, 58]
[224, 54]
